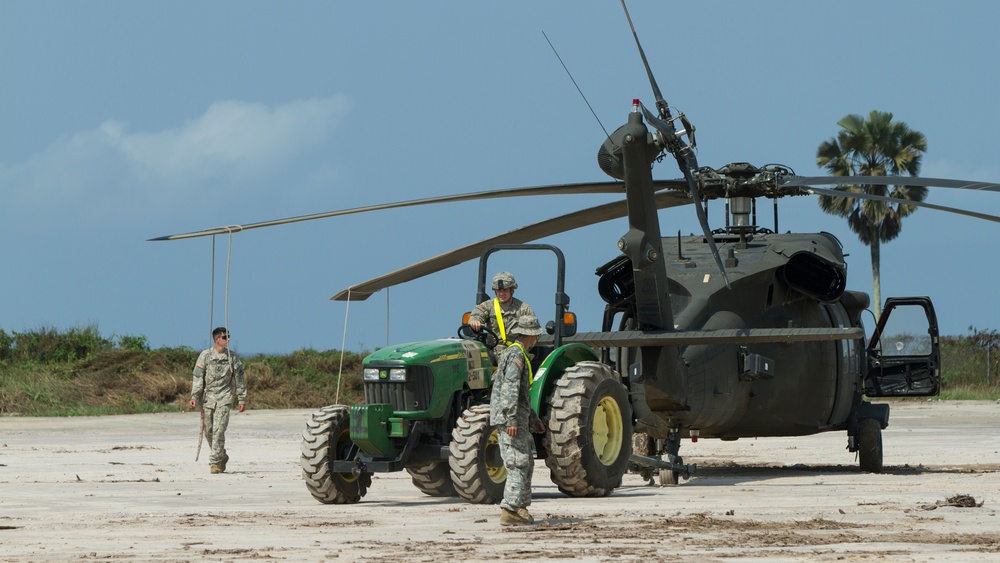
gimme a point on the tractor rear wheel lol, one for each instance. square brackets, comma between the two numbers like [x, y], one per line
[590, 431]
[433, 479]
[327, 438]
[870, 445]
[477, 471]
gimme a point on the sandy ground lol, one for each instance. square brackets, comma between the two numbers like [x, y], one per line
[127, 487]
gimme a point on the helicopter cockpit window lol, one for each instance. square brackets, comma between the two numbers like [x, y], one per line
[905, 333]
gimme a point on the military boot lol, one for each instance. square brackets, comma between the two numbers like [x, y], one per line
[511, 518]
[222, 464]
[215, 469]
[525, 515]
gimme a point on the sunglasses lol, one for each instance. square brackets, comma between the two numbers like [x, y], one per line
[224, 337]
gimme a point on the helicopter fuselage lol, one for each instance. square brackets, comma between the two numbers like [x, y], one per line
[783, 282]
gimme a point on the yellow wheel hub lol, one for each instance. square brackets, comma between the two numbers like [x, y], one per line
[498, 474]
[608, 429]
[344, 441]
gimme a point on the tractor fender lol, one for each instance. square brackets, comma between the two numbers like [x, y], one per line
[552, 369]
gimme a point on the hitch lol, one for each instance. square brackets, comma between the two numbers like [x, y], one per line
[358, 468]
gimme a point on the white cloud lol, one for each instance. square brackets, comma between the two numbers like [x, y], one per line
[233, 138]
[231, 145]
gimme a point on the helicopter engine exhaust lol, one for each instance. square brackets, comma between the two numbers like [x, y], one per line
[609, 156]
[815, 276]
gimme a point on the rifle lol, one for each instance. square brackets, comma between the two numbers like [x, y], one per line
[201, 434]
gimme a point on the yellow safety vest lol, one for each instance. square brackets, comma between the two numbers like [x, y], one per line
[499, 314]
[531, 376]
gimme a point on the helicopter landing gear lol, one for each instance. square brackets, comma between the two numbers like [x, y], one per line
[670, 477]
[870, 445]
[669, 465]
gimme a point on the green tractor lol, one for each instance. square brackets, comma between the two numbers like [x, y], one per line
[426, 411]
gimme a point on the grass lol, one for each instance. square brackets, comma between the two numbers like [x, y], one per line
[79, 372]
[968, 370]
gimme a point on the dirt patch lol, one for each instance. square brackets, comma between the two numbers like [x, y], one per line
[128, 488]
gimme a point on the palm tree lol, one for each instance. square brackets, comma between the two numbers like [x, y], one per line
[877, 146]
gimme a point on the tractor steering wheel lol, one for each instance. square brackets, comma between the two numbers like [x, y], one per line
[485, 335]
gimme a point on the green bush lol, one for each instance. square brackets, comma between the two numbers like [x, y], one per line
[6, 345]
[48, 345]
[137, 343]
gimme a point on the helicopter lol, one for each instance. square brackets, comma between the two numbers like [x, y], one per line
[737, 332]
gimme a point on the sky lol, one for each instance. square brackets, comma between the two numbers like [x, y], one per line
[122, 121]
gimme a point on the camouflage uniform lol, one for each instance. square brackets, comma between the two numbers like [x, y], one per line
[510, 406]
[485, 313]
[212, 390]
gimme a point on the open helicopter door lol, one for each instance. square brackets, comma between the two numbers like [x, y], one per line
[903, 355]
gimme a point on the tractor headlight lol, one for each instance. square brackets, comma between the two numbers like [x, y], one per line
[397, 374]
[370, 374]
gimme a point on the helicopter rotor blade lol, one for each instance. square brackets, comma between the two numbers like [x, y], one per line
[807, 181]
[556, 225]
[660, 102]
[558, 189]
[686, 160]
[838, 193]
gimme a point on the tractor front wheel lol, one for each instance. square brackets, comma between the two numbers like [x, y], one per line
[433, 479]
[590, 431]
[477, 471]
[327, 438]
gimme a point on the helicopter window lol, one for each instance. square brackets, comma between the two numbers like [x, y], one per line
[905, 333]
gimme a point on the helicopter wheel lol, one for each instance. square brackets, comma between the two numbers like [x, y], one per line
[870, 445]
[669, 477]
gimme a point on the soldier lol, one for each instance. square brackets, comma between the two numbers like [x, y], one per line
[212, 390]
[501, 315]
[511, 412]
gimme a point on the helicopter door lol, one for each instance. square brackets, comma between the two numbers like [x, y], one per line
[903, 354]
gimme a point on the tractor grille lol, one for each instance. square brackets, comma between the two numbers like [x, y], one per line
[412, 395]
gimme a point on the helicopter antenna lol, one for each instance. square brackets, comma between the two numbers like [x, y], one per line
[686, 160]
[568, 73]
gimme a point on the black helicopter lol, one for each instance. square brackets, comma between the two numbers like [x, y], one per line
[737, 332]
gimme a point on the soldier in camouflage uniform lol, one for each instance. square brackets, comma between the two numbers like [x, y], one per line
[216, 372]
[511, 412]
[511, 310]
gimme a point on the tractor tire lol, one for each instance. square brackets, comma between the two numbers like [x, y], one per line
[433, 479]
[477, 472]
[870, 445]
[645, 445]
[327, 438]
[590, 431]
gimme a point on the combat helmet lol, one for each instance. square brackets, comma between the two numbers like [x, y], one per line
[527, 325]
[504, 280]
